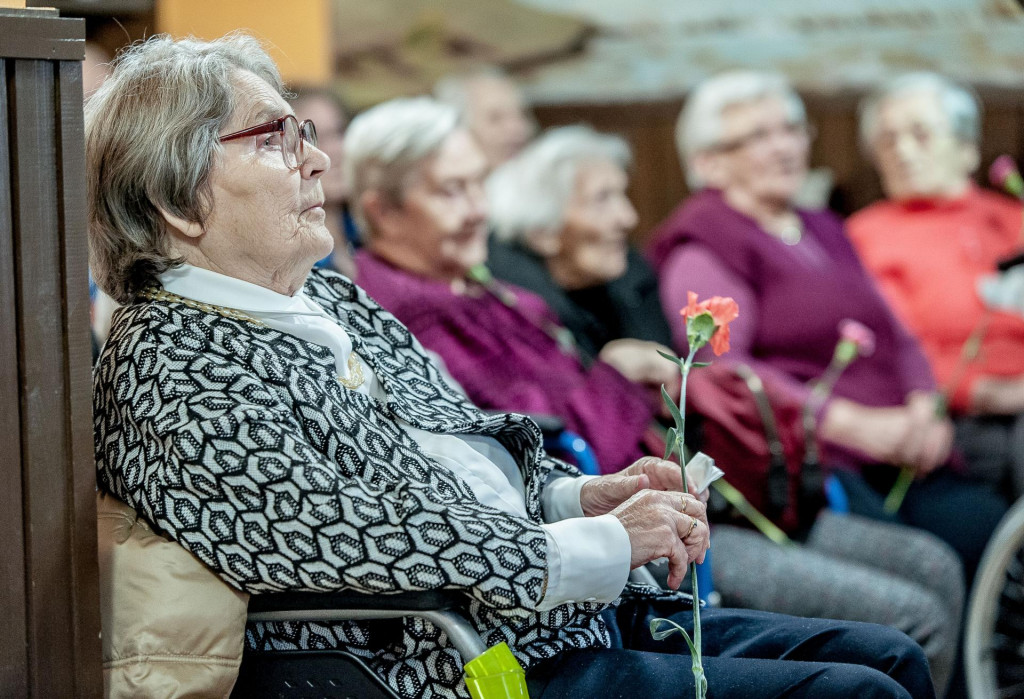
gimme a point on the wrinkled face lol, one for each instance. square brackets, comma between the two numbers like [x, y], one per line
[267, 221]
[916, 152]
[597, 222]
[762, 152]
[440, 226]
[498, 119]
[330, 129]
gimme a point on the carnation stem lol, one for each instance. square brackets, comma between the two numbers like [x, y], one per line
[735, 498]
[699, 680]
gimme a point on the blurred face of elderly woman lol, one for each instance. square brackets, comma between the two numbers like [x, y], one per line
[917, 153]
[266, 222]
[598, 218]
[761, 155]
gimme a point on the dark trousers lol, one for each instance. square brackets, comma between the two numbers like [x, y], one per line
[747, 655]
[961, 511]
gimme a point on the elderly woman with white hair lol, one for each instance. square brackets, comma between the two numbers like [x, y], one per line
[938, 235]
[293, 436]
[560, 220]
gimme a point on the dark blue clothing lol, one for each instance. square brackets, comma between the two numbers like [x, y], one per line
[742, 651]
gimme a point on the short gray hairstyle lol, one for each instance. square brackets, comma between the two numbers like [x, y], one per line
[960, 105]
[385, 144]
[532, 191]
[151, 137]
[699, 127]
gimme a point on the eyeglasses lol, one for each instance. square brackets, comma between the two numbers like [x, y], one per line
[293, 137]
[761, 136]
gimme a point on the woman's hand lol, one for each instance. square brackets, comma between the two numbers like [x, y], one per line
[906, 435]
[663, 524]
[639, 361]
[601, 495]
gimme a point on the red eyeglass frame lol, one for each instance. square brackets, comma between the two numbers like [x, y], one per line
[277, 125]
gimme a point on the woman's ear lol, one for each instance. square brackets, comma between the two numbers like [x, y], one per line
[709, 168]
[379, 213]
[189, 229]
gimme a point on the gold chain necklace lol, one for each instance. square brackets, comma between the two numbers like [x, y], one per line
[355, 367]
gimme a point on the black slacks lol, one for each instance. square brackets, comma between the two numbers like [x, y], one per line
[747, 655]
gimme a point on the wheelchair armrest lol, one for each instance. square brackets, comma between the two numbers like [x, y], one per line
[436, 606]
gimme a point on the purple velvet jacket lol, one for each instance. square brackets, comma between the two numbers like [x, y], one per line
[504, 359]
[791, 299]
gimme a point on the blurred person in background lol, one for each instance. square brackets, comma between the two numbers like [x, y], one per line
[562, 212]
[418, 189]
[744, 141]
[931, 244]
[562, 207]
[493, 109]
[324, 108]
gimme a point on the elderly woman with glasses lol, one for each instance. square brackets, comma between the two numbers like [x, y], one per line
[292, 435]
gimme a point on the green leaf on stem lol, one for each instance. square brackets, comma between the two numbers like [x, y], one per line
[700, 364]
[672, 358]
[673, 409]
[658, 633]
[670, 442]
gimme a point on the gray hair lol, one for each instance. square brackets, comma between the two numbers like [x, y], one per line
[532, 191]
[151, 137]
[453, 90]
[699, 127]
[959, 103]
[384, 144]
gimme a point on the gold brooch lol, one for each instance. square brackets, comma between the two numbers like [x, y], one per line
[355, 371]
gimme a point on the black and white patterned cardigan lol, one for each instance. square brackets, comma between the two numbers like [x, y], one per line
[238, 441]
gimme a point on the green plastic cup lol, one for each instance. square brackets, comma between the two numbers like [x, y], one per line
[496, 674]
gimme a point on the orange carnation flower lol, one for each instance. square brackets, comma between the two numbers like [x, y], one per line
[723, 310]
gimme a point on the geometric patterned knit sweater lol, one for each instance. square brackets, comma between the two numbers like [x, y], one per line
[238, 442]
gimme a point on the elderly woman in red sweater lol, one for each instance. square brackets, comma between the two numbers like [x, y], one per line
[937, 236]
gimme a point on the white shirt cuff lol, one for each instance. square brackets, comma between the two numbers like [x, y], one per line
[588, 560]
[560, 498]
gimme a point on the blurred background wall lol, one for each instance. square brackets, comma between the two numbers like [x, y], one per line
[625, 66]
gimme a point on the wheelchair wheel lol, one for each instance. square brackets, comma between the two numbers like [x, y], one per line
[994, 636]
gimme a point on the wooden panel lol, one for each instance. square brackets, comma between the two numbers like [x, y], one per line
[44, 397]
[13, 651]
[84, 589]
[50, 645]
[40, 33]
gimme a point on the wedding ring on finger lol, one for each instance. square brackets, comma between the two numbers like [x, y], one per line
[693, 525]
[685, 503]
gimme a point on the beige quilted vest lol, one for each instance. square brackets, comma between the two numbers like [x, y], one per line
[171, 627]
